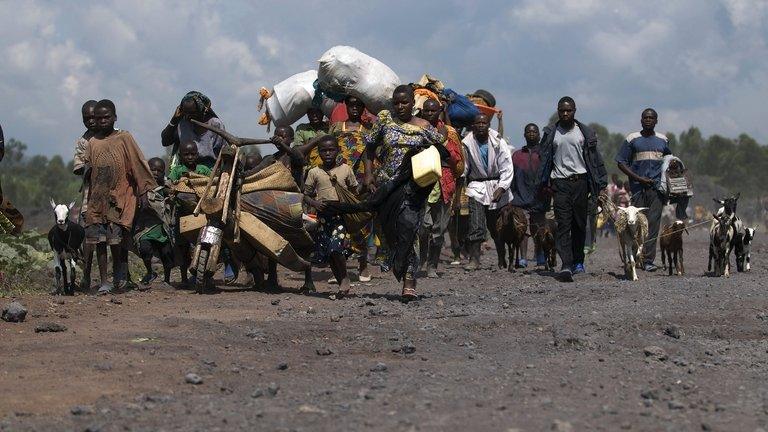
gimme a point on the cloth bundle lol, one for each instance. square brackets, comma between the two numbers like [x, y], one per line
[345, 71]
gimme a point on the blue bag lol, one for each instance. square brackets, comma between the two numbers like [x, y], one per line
[461, 110]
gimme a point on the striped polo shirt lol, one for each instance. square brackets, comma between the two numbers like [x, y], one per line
[644, 156]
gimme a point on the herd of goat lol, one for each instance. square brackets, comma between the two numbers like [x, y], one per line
[727, 234]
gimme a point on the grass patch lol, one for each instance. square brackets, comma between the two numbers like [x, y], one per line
[25, 264]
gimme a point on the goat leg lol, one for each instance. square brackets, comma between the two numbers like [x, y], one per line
[70, 288]
[65, 286]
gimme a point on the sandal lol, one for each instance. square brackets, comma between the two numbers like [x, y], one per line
[409, 290]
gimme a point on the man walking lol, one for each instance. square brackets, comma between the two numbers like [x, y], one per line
[640, 158]
[489, 176]
[571, 164]
[526, 163]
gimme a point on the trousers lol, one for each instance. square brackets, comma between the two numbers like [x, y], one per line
[571, 204]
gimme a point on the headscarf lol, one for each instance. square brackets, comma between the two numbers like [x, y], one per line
[201, 101]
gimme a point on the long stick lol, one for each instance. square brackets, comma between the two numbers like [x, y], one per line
[208, 186]
[227, 195]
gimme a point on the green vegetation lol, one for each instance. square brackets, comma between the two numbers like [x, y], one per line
[24, 263]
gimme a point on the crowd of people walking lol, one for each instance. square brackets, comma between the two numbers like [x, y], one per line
[557, 177]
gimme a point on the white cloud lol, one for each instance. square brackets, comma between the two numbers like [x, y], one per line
[21, 56]
[697, 62]
[631, 48]
[271, 44]
[548, 12]
[747, 13]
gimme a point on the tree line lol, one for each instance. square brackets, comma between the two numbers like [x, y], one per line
[719, 165]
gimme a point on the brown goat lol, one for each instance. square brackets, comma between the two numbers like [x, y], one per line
[511, 226]
[671, 245]
[544, 241]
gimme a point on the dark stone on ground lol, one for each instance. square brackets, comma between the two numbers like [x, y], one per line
[673, 331]
[380, 367]
[14, 312]
[50, 327]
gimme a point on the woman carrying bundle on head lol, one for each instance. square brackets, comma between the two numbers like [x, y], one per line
[349, 134]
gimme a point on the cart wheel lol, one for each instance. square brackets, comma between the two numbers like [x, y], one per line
[202, 278]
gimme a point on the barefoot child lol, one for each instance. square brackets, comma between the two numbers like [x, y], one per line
[188, 155]
[152, 226]
[118, 176]
[331, 241]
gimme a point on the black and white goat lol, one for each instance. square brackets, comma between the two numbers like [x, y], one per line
[720, 244]
[739, 230]
[66, 240]
[743, 249]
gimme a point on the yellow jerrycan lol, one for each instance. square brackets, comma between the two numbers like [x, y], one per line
[426, 167]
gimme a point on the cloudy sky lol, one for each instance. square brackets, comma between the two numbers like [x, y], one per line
[699, 62]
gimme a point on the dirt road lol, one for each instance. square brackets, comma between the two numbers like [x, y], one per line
[490, 350]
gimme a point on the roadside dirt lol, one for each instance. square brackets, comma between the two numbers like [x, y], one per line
[489, 350]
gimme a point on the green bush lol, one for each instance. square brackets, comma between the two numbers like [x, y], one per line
[24, 263]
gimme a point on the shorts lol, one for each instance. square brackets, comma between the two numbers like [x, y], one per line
[110, 233]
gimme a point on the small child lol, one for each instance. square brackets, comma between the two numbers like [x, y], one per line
[152, 226]
[331, 239]
[252, 161]
[189, 157]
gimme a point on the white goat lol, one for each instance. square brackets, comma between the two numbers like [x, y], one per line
[65, 239]
[632, 231]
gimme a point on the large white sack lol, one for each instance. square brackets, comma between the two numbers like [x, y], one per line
[345, 70]
[291, 98]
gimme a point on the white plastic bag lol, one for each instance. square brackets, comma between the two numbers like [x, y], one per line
[345, 70]
[291, 98]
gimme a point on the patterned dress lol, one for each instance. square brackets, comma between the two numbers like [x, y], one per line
[351, 146]
[402, 212]
[393, 139]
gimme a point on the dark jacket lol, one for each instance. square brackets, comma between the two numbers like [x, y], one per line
[525, 190]
[598, 178]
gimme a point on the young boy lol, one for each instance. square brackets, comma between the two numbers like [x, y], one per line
[188, 156]
[189, 162]
[152, 226]
[118, 176]
[81, 167]
[331, 241]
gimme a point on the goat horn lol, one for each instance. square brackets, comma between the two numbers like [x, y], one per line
[231, 139]
[228, 137]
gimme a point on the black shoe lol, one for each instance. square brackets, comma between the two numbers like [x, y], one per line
[650, 267]
[565, 275]
[148, 278]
